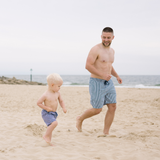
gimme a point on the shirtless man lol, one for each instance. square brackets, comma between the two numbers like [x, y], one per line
[101, 88]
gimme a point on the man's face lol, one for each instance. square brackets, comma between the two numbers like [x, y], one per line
[107, 38]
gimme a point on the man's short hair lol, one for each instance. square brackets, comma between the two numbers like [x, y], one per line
[108, 29]
[54, 79]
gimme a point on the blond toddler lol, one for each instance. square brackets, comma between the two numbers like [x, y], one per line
[49, 103]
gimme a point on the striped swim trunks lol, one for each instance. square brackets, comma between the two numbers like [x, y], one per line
[49, 117]
[102, 92]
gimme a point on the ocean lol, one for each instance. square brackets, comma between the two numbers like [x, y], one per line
[129, 81]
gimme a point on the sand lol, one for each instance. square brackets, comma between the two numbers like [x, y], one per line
[136, 126]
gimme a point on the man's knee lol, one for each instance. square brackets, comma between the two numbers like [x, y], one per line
[112, 107]
[97, 111]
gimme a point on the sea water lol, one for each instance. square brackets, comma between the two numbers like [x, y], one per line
[129, 81]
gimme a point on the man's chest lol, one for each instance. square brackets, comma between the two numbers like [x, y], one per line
[105, 57]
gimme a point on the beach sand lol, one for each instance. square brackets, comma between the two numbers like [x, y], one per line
[136, 126]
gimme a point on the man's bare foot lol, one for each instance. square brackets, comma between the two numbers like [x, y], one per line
[48, 141]
[79, 124]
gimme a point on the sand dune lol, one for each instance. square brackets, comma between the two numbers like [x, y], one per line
[136, 127]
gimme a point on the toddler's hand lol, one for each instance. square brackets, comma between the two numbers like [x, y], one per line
[49, 109]
[64, 110]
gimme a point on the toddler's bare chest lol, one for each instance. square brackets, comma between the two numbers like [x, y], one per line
[52, 98]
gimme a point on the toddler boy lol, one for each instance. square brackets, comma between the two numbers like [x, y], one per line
[49, 103]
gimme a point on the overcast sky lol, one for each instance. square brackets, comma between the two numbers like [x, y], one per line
[57, 35]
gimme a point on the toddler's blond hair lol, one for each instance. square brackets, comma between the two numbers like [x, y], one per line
[54, 78]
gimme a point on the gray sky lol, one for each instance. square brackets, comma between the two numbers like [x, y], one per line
[57, 35]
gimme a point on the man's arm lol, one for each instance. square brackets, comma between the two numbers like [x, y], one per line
[92, 57]
[114, 73]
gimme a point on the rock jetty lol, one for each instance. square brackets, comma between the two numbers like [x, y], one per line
[6, 80]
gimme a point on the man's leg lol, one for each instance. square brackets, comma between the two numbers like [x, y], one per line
[88, 113]
[109, 117]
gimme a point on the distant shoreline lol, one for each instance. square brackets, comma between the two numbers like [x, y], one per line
[14, 81]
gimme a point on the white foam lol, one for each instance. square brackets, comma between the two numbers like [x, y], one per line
[75, 85]
[67, 83]
[139, 86]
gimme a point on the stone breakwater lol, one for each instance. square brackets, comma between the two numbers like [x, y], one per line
[6, 80]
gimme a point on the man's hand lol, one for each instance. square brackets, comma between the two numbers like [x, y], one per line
[119, 80]
[107, 77]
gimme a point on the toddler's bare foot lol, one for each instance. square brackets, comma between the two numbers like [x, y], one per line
[47, 141]
[79, 124]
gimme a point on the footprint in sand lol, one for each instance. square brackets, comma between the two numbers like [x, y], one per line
[105, 135]
[35, 129]
[86, 134]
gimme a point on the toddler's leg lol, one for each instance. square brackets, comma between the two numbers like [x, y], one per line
[48, 134]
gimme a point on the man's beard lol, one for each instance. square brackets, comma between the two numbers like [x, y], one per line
[109, 43]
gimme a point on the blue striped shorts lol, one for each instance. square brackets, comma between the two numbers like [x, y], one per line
[49, 117]
[102, 92]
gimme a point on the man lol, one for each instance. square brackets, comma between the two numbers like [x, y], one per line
[101, 88]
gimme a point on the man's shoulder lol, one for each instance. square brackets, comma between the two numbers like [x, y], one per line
[95, 48]
[112, 50]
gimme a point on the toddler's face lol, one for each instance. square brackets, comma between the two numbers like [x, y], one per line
[56, 87]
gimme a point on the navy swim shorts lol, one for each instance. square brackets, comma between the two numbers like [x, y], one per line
[49, 117]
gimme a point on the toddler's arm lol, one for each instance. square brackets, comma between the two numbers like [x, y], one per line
[41, 105]
[61, 102]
